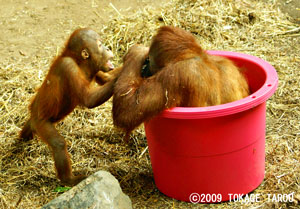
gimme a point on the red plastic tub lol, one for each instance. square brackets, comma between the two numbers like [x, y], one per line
[213, 154]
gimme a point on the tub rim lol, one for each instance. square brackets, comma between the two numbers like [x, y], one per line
[254, 99]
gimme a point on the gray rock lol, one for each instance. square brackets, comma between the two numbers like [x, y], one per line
[100, 190]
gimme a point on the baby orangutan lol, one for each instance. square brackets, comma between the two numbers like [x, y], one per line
[180, 73]
[70, 82]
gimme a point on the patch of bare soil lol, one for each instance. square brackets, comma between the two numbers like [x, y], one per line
[291, 7]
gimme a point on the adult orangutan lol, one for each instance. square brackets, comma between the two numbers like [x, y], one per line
[180, 73]
[70, 82]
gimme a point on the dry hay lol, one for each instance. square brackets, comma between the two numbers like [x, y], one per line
[253, 27]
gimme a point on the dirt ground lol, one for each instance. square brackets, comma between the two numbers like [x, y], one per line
[27, 27]
[292, 7]
[30, 26]
[31, 33]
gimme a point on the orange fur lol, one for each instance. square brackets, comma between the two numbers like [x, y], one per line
[183, 74]
[70, 82]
